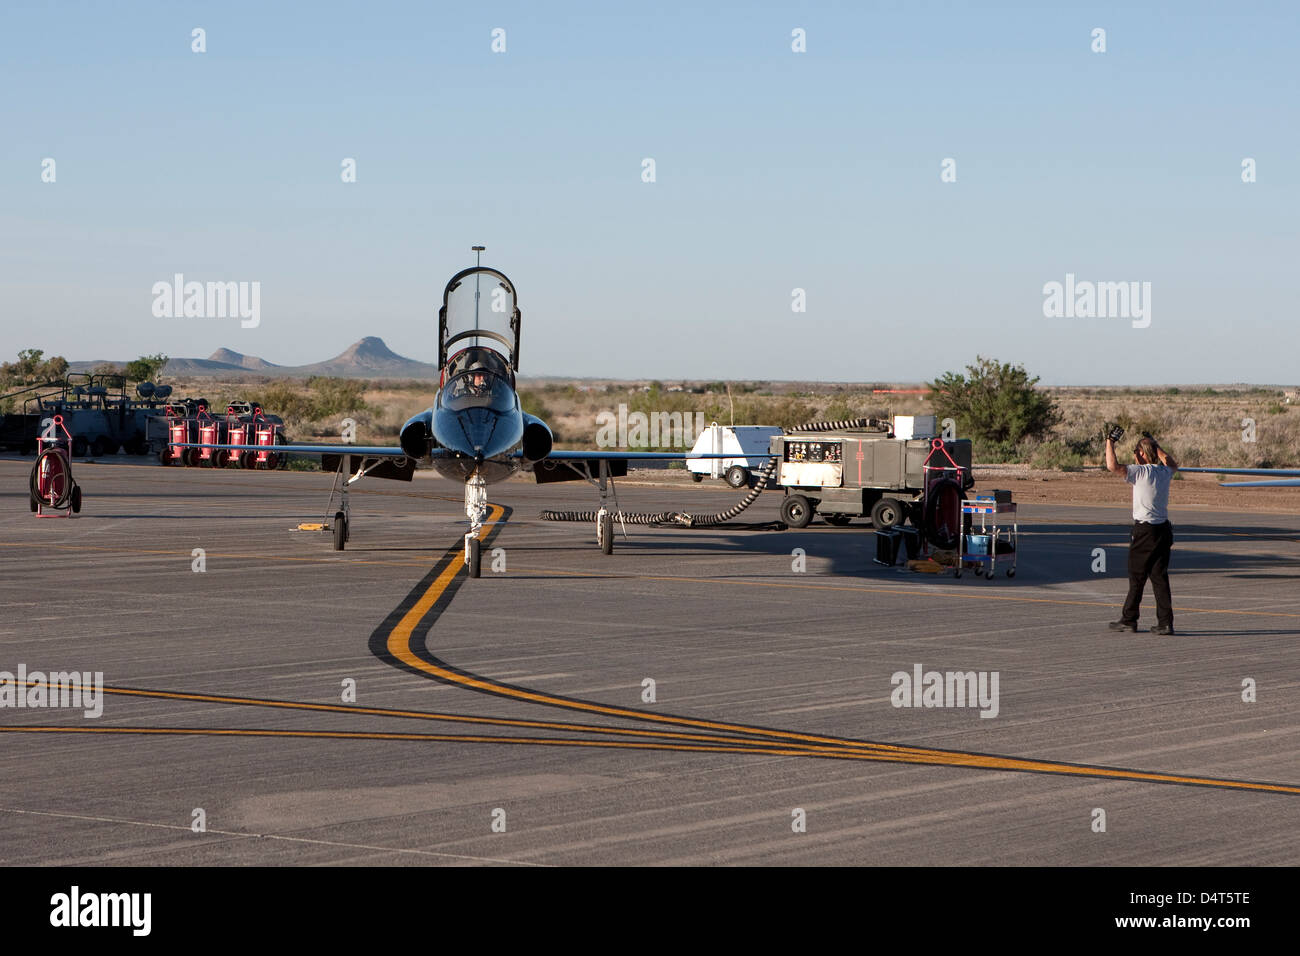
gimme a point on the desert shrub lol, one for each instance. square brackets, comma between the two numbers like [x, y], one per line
[336, 396]
[1058, 455]
[531, 402]
[996, 402]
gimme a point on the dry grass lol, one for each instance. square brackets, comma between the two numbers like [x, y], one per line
[1200, 426]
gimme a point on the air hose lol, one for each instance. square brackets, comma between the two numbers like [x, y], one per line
[841, 425]
[676, 517]
[707, 521]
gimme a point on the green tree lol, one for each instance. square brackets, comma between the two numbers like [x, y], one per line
[33, 367]
[995, 401]
[146, 368]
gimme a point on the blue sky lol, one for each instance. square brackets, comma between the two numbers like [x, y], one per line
[775, 170]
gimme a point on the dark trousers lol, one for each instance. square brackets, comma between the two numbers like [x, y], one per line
[1148, 557]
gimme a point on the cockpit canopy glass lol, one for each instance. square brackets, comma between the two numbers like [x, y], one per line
[480, 311]
[477, 388]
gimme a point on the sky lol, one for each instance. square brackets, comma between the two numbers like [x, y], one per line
[774, 171]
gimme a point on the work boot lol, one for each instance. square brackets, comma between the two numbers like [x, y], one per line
[1163, 629]
[1123, 626]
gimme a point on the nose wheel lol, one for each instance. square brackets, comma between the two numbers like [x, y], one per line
[476, 511]
[473, 555]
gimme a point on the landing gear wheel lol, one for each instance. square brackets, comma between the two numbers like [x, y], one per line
[340, 530]
[605, 533]
[76, 499]
[838, 520]
[737, 477]
[473, 557]
[796, 511]
[886, 513]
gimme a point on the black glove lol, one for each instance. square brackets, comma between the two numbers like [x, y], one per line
[1114, 433]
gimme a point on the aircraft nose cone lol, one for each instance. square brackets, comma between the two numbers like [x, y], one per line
[479, 425]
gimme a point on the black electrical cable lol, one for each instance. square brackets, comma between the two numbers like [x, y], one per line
[676, 517]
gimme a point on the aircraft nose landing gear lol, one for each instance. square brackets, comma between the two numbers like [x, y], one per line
[476, 511]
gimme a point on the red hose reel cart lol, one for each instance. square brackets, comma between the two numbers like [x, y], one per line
[54, 493]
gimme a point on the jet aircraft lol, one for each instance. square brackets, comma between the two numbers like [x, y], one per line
[476, 432]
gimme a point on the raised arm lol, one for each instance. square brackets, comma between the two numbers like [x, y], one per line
[1111, 463]
[1166, 459]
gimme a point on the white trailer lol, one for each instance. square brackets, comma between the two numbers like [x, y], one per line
[750, 444]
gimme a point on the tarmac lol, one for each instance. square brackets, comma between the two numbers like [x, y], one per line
[701, 696]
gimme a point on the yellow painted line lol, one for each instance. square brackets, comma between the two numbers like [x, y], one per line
[399, 641]
[936, 758]
[410, 714]
[399, 646]
[739, 748]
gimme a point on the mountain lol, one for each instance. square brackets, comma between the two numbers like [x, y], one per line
[250, 362]
[368, 358]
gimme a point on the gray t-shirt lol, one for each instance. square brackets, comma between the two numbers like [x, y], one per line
[1150, 492]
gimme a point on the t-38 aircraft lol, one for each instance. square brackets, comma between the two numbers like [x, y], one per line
[476, 432]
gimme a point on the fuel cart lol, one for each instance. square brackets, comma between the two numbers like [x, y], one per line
[996, 539]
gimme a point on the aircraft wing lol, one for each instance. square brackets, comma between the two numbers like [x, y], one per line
[644, 456]
[363, 451]
[1276, 477]
[562, 465]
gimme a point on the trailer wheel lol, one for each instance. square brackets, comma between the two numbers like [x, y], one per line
[474, 558]
[737, 477]
[190, 457]
[340, 530]
[220, 458]
[796, 511]
[886, 513]
[696, 477]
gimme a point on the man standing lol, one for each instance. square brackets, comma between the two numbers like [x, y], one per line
[1153, 536]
